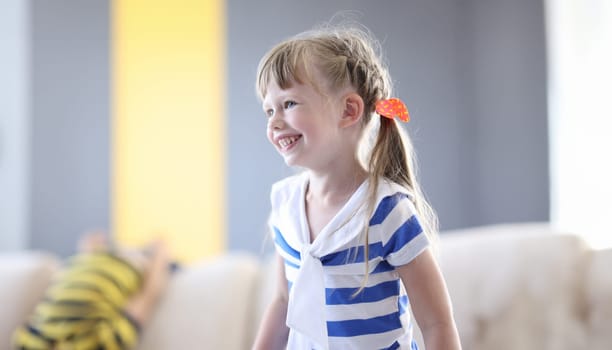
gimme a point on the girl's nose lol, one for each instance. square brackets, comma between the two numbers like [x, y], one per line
[276, 122]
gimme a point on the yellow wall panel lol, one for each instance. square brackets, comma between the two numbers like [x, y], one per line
[168, 175]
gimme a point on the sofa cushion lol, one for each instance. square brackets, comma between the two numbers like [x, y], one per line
[515, 287]
[24, 276]
[208, 305]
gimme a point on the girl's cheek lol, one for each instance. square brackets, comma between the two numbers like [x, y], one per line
[269, 134]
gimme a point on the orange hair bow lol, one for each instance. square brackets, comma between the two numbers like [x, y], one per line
[392, 108]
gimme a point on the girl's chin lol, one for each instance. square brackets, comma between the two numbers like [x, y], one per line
[291, 161]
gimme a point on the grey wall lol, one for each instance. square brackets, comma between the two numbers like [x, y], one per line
[70, 121]
[506, 71]
[472, 72]
[473, 75]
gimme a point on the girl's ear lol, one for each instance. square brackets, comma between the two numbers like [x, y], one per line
[353, 110]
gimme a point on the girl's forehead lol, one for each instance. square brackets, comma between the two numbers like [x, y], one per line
[273, 89]
[294, 89]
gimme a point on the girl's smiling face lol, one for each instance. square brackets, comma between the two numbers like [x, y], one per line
[302, 124]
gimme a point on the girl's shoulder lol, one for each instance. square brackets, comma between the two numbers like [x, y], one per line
[391, 196]
[387, 188]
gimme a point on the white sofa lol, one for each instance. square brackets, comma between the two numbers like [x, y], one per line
[519, 286]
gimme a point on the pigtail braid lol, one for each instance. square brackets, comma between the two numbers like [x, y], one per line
[392, 157]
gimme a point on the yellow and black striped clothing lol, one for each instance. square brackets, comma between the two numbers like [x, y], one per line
[83, 307]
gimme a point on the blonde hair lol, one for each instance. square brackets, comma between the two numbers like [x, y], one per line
[350, 56]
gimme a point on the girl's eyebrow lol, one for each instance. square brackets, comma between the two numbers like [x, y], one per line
[282, 95]
[265, 106]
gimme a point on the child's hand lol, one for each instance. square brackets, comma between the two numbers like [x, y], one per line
[157, 272]
[93, 241]
[141, 305]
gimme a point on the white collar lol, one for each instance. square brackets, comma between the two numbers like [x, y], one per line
[306, 308]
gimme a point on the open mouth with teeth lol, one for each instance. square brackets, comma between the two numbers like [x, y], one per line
[288, 141]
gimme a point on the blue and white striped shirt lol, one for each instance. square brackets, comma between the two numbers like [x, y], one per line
[376, 318]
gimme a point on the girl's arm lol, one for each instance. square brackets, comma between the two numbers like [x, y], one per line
[273, 331]
[430, 302]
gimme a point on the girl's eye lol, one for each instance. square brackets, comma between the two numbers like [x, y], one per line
[269, 113]
[289, 104]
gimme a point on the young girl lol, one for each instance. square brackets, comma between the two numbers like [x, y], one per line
[352, 233]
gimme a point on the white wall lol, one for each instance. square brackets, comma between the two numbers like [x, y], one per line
[14, 124]
[580, 43]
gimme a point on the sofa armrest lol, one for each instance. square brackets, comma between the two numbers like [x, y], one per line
[599, 301]
[25, 276]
